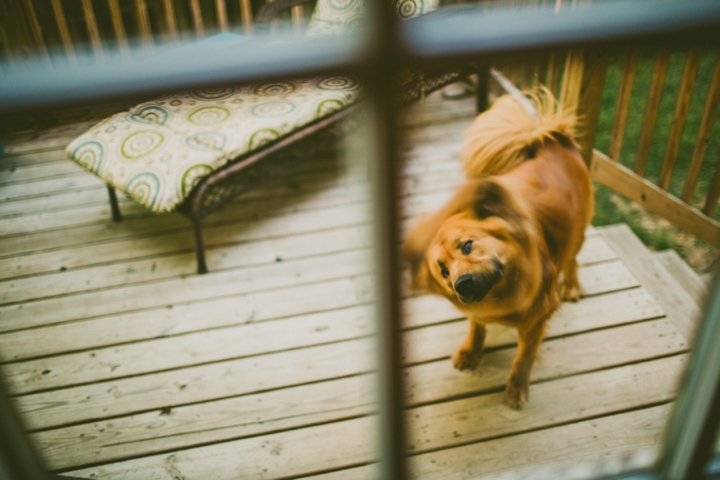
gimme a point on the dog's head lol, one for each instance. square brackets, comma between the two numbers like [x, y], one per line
[477, 247]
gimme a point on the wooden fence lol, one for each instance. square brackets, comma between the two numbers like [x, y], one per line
[42, 26]
[578, 78]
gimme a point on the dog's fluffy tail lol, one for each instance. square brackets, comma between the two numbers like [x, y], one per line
[508, 133]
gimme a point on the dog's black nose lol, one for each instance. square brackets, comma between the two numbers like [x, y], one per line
[473, 288]
[465, 285]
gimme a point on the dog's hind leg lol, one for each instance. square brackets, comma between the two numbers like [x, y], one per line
[469, 353]
[529, 341]
[570, 288]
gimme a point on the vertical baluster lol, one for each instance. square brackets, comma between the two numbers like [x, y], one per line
[706, 124]
[170, 19]
[118, 26]
[36, 29]
[247, 16]
[651, 111]
[221, 15]
[553, 75]
[297, 18]
[144, 22]
[529, 70]
[92, 27]
[681, 110]
[713, 192]
[197, 18]
[623, 104]
[63, 30]
[542, 72]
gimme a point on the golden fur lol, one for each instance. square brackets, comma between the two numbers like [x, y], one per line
[496, 249]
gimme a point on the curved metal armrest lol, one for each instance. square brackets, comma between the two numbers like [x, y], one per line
[270, 10]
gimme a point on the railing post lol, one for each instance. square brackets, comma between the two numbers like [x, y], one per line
[582, 89]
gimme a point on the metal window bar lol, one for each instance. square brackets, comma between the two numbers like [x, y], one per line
[447, 36]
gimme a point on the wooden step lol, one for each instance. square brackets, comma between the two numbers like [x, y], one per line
[680, 307]
[693, 284]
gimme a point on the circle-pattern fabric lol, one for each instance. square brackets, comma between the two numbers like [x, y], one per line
[159, 150]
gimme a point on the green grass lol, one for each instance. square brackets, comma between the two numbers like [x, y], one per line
[610, 208]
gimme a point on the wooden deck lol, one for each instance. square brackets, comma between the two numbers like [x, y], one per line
[126, 364]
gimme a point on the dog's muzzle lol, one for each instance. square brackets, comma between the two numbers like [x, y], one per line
[473, 288]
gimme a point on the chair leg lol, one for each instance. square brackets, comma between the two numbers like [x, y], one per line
[199, 247]
[481, 95]
[116, 215]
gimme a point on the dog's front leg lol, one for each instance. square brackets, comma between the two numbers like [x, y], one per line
[468, 355]
[529, 341]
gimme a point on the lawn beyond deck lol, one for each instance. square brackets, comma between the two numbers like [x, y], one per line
[126, 364]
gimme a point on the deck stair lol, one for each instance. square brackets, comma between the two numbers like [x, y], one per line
[126, 364]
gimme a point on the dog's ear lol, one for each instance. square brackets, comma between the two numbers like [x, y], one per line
[493, 200]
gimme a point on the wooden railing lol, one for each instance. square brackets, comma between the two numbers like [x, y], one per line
[31, 27]
[578, 78]
[654, 192]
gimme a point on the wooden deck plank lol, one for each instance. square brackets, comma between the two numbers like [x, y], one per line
[182, 318]
[272, 250]
[188, 350]
[53, 220]
[49, 139]
[122, 328]
[196, 384]
[59, 202]
[48, 186]
[436, 381]
[440, 341]
[168, 292]
[595, 278]
[53, 155]
[607, 395]
[608, 439]
[601, 447]
[245, 340]
[42, 171]
[120, 438]
[567, 399]
[288, 240]
[147, 224]
[427, 382]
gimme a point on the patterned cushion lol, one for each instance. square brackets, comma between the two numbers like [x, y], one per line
[336, 17]
[158, 151]
[152, 164]
[240, 119]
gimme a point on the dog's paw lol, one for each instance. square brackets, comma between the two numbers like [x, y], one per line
[516, 396]
[571, 293]
[466, 359]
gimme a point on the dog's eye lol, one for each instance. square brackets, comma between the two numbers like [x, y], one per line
[443, 269]
[467, 247]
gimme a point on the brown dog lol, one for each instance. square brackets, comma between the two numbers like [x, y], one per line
[497, 248]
